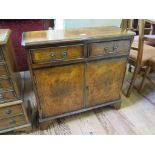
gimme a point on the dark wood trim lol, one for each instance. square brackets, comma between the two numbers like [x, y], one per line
[79, 111]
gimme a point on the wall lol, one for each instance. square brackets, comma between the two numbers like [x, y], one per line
[76, 23]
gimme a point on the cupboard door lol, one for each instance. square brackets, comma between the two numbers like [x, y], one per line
[60, 89]
[104, 80]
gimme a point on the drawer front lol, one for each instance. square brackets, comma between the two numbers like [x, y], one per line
[48, 55]
[12, 122]
[109, 48]
[1, 55]
[10, 111]
[5, 96]
[5, 83]
[3, 70]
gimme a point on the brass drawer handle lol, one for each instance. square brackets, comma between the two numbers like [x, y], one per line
[12, 121]
[8, 111]
[64, 55]
[107, 51]
[53, 56]
[115, 48]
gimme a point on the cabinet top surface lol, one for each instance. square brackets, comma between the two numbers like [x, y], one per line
[57, 36]
[4, 35]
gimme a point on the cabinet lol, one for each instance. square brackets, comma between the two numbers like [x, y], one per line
[13, 115]
[76, 70]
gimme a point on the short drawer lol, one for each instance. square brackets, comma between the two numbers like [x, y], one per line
[3, 70]
[109, 48]
[5, 83]
[55, 54]
[12, 122]
[10, 111]
[5, 96]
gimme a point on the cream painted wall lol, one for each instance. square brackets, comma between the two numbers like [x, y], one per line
[76, 23]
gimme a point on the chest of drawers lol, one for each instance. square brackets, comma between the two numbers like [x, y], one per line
[13, 115]
[76, 70]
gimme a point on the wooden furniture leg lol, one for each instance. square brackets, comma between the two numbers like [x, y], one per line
[44, 126]
[116, 106]
[143, 80]
[132, 81]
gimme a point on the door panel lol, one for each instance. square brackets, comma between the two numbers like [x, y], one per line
[60, 89]
[104, 80]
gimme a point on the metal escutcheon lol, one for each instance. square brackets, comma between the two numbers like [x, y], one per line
[64, 55]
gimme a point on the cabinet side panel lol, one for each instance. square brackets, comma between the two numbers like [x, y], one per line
[13, 71]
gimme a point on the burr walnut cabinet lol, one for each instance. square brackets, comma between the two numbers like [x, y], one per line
[75, 70]
[13, 115]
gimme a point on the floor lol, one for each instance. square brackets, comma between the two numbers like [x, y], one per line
[136, 116]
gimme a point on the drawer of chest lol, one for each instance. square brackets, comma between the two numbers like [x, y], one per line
[5, 83]
[109, 48]
[3, 70]
[6, 96]
[12, 122]
[10, 111]
[56, 54]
